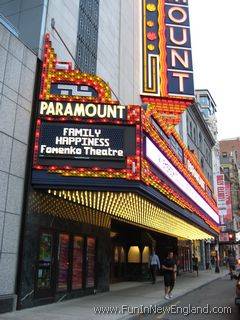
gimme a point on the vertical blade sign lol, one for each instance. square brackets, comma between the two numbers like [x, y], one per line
[167, 69]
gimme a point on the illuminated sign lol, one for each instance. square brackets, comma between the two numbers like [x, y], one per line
[195, 174]
[166, 50]
[165, 166]
[229, 214]
[81, 141]
[80, 130]
[221, 195]
[83, 110]
[223, 237]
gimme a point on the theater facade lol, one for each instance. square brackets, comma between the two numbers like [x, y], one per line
[108, 182]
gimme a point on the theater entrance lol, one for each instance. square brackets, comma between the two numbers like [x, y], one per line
[130, 250]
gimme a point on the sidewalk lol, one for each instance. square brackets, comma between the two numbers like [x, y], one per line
[121, 296]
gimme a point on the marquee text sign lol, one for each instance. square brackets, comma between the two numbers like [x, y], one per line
[80, 130]
[166, 51]
[221, 195]
[80, 141]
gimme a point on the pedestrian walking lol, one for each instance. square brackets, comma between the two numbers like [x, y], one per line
[169, 272]
[231, 264]
[195, 264]
[154, 265]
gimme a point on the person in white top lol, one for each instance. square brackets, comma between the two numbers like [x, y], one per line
[154, 265]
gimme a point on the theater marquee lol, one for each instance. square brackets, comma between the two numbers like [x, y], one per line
[80, 131]
[166, 49]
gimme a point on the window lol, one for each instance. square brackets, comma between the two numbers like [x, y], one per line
[206, 112]
[190, 129]
[204, 100]
[176, 147]
[206, 154]
[224, 154]
[212, 108]
[209, 192]
[200, 140]
[226, 171]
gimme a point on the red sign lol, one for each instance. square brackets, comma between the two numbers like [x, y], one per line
[223, 237]
[228, 217]
[221, 195]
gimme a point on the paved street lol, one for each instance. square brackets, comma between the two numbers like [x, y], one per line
[216, 297]
[120, 301]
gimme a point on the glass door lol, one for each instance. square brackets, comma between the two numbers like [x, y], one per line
[90, 258]
[44, 282]
[66, 262]
[63, 262]
[70, 262]
[77, 264]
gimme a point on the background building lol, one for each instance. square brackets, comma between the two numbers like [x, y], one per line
[208, 108]
[199, 131]
[231, 147]
[200, 140]
[229, 150]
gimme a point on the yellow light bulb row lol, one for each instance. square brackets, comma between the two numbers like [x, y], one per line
[44, 204]
[134, 209]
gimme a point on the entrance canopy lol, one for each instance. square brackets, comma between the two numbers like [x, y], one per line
[126, 206]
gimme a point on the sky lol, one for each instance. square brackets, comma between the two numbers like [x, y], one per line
[215, 38]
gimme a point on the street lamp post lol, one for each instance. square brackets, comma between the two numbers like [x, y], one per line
[217, 270]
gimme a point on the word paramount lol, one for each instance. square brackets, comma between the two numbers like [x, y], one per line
[89, 110]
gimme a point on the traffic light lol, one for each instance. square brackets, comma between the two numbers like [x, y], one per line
[231, 236]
